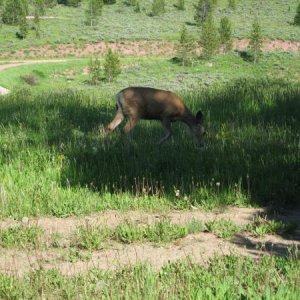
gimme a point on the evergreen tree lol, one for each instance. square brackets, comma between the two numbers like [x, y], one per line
[137, 8]
[202, 10]
[158, 7]
[112, 66]
[185, 48]
[232, 4]
[93, 11]
[297, 16]
[256, 41]
[225, 34]
[14, 10]
[23, 27]
[209, 38]
[180, 5]
[109, 1]
[95, 70]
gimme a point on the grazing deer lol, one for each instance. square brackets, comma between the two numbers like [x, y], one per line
[137, 103]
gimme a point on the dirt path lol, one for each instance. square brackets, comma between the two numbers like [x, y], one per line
[198, 247]
[14, 64]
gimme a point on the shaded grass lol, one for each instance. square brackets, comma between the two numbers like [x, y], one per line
[54, 159]
[269, 278]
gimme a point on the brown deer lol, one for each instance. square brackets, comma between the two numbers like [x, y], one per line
[137, 103]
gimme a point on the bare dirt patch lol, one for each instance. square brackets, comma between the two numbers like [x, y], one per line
[133, 48]
[198, 247]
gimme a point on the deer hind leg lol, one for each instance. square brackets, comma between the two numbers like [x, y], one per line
[116, 121]
[130, 124]
[166, 123]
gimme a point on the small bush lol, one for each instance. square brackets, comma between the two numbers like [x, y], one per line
[225, 34]
[95, 71]
[112, 66]
[158, 7]
[297, 16]
[29, 79]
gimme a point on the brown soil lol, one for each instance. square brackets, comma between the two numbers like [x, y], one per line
[198, 247]
[132, 48]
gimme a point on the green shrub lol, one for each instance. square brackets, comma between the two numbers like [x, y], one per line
[112, 66]
[158, 7]
[225, 34]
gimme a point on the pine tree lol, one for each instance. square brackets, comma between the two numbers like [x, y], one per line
[297, 16]
[112, 66]
[23, 27]
[202, 9]
[209, 38]
[180, 5]
[95, 70]
[137, 7]
[14, 10]
[256, 41]
[185, 48]
[232, 4]
[93, 11]
[158, 7]
[225, 33]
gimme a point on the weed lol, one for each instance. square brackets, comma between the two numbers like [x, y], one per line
[223, 228]
[20, 237]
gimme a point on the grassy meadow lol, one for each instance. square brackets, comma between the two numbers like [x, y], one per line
[120, 22]
[56, 161]
[271, 278]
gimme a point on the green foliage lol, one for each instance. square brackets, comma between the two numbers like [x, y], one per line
[90, 237]
[232, 4]
[74, 3]
[202, 11]
[51, 134]
[297, 16]
[20, 237]
[93, 11]
[131, 2]
[39, 7]
[109, 1]
[95, 70]
[161, 232]
[256, 42]
[209, 39]
[270, 277]
[137, 7]
[50, 3]
[112, 65]
[263, 226]
[23, 28]
[14, 11]
[223, 228]
[225, 33]
[158, 7]
[186, 48]
[180, 5]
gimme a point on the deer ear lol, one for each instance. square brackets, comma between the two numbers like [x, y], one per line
[199, 116]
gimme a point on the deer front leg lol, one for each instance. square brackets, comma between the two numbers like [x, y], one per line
[166, 123]
[115, 122]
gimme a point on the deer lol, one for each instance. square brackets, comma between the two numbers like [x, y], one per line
[136, 103]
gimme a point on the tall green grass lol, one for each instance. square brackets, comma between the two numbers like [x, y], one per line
[229, 277]
[55, 160]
